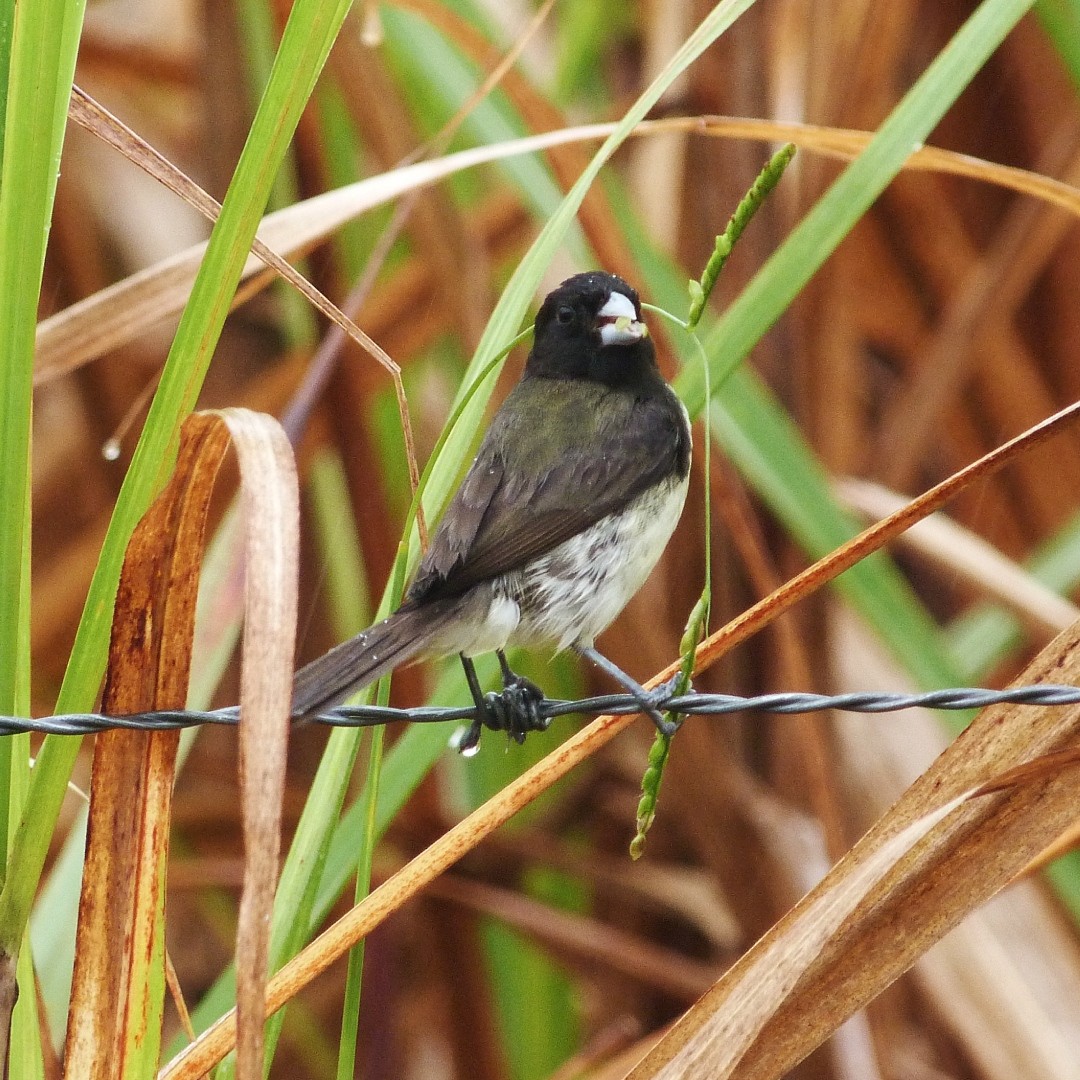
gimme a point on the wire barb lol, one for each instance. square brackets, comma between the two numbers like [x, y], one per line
[689, 704]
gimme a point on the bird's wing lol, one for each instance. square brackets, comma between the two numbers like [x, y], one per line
[523, 496]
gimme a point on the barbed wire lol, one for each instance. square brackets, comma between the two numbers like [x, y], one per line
[689, 704]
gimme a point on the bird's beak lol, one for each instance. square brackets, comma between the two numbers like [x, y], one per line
[618, 321]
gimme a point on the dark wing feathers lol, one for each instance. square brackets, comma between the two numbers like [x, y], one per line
[509, 512]
[459, 526]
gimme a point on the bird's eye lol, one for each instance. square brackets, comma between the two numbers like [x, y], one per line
[565, 315]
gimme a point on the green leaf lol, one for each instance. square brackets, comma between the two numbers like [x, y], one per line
[815, 238]
[39, 43]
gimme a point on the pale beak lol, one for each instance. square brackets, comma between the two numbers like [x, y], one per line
[618, 321]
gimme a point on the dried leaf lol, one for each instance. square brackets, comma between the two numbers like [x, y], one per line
[116, 315]
[272, 526]
[115, 1017]
[116, 998]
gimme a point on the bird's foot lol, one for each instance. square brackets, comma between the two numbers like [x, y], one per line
[518, 706]
[657, 698]
[651, 701]
[515, 709]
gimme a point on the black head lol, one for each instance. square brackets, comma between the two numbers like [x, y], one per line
[590, 328]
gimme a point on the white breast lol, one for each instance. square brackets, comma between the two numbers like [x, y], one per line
[575, 592]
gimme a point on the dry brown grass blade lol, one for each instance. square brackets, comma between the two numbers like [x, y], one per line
[846, 143]
[118, 314]
[769, 981]
[131, 791]
[177, 994]
[219, 1039]
[1001, 983]
[124, 875]
[98, 120]
[272, 526]
[1045, 766]
[942, 850]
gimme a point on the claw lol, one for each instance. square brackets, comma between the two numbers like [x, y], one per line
[659, 696]
[467, 740]
[665, 691]
[517, 708]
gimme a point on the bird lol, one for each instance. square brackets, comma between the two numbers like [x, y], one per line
[574, 492]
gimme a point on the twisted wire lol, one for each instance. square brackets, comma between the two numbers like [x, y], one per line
[690, 704]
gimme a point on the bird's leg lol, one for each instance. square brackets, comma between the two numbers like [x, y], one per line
[647, 699]
[513, 681]
[484, 715]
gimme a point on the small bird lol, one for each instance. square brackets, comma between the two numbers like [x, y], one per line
[570, 501]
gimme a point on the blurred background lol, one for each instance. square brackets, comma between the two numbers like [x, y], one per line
[946, 323]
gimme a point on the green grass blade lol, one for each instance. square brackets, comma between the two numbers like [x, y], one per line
[40, 62]
[771, 453]
[1061, 21]
[514, 302]
[308, 35]
[366, 841]
[38, 43]
[755, 432]
[25, 1058]
[325, 849]
[7, 27]
[759, 437]
[44, 41]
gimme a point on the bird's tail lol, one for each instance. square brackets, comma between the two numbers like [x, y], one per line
[361, 660]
